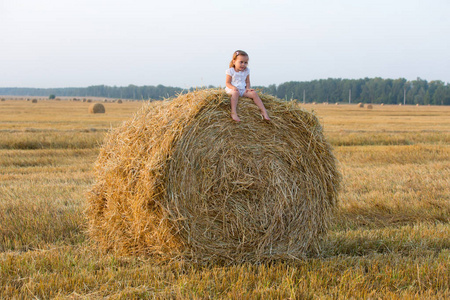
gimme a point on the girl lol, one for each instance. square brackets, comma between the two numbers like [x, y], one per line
[238, 84]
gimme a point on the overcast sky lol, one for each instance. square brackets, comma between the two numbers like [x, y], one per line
[185, 43]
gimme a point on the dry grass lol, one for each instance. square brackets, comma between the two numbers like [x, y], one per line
[183, 179]
[96, 108]
[65, 115]
[390, 238]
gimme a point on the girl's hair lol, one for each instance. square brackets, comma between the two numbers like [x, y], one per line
[235, 55]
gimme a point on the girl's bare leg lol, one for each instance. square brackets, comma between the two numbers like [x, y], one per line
[254, 95]
[234, 102]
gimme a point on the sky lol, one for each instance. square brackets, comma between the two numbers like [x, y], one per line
[189, 43]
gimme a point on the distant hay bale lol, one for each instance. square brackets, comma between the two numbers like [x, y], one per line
[181, 179]
[337, 103]
[369, 106]
[360, 104]
[314, 103]
[34, 101]
[89, 100]
[119, 101]
[97, 108]
[417, 104]
[3, 99]
[382, 104]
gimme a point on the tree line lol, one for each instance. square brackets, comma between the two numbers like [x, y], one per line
[367, 90]
[128, 92]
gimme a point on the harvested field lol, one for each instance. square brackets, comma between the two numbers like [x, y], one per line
[389, 239]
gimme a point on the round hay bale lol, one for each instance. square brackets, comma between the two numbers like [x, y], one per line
[382, 104]
[360, 104]
[97, 108]
[34, 101]
[119, 101]
[182, 179]
[3, 99]
[369, 106]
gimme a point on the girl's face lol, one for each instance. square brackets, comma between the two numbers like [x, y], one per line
[240, 63]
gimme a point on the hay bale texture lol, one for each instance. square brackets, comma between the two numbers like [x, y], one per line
[181, 179]
[97, 108]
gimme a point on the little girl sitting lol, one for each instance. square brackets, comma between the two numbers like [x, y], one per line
[238, 84]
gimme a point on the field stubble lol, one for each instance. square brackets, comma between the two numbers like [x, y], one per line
[390, 237]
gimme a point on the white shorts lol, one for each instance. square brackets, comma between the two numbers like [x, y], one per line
[241, 91]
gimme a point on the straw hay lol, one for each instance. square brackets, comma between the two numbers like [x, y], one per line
[34, 101]
[181, 179]
[97, 108]
[360, 104]
[369, 106]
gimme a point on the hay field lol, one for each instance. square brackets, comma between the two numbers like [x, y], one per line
[389, 239]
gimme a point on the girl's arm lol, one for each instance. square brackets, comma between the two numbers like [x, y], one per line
[247, 83]
[228, 83]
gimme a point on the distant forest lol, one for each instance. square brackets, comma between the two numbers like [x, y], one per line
[367, 90]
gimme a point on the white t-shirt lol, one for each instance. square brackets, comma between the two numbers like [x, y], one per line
[238, 78]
